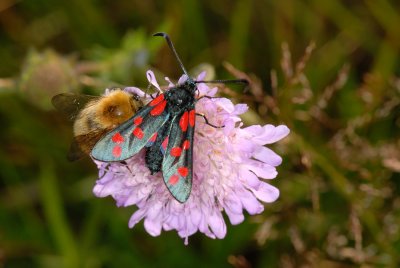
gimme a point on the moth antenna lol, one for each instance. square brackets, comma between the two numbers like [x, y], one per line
[171, 46]
[234, 81]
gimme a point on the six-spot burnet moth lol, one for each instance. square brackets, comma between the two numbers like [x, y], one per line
[165, 126]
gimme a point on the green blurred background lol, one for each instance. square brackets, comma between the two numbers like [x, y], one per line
[327, 69]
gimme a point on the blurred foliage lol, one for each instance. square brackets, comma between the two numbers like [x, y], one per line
[327, 69]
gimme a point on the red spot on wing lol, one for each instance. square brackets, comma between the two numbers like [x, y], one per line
[157, 100]
[159, 108]
[117, 138]
[138, 133]
[138, 120]
[117, 150]
[153, 138]
[176, 151]
[192, 118]
[183, 122]
[186, 145]
[165, 143]
[173, 179]
[183, 171]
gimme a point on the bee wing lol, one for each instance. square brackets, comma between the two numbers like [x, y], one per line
[83, 144]
[71, 104]
[75, 152]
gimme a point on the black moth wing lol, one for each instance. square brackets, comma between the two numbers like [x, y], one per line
[71, 104]
[130, 137]
[177, 166]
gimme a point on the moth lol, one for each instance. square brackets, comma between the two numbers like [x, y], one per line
[165, 127]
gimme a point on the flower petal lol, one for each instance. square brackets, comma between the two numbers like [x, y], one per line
[273, 134]
[250, 203]
[108, 188]
[201, 76]
[217, 224]
[266, 192]
[241, 108]
[234, 209]
[136, 91]
[153, 227]
[152, 79]
[249, 177]
[233, 217]
[136, 217]
[226, 104]
[262, 170]
[170, 84]
[182, 79]
[267, 156]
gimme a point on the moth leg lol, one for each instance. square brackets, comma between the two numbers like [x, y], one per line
[151, 95]
[159, 91]
[125, 164]
[106, 170]
[208, 123]
[208, 97]
[146, 92]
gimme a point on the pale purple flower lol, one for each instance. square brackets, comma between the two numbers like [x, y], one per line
[230, 167]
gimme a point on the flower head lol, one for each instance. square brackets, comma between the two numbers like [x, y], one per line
[230, 165]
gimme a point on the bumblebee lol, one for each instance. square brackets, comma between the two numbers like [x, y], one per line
[94, 116]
